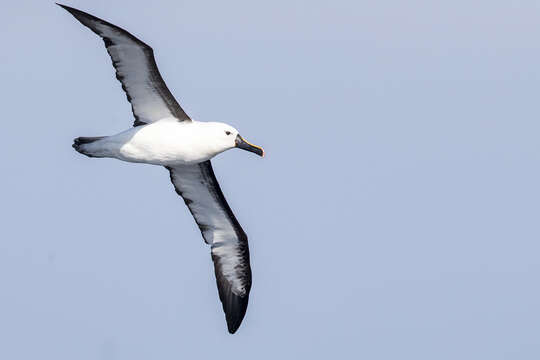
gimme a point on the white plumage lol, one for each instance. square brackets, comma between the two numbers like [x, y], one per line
[166, 142]
[163, 134]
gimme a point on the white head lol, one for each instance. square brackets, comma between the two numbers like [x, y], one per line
[225, 137]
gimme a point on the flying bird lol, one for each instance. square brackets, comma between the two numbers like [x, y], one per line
[163, 134]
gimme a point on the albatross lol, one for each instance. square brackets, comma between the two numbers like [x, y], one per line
[163, 134]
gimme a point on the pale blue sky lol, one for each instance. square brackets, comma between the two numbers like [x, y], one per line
[395, 216]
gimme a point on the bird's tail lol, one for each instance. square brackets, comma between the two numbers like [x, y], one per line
[81, 144]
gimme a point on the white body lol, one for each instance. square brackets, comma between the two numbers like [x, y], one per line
[166, 142]
[166, 135]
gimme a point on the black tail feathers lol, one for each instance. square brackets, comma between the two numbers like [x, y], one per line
[78, 142]
[86, 140]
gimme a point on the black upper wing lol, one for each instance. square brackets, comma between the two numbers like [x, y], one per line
[136, 69]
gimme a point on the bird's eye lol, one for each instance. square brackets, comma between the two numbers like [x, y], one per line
[228, 132]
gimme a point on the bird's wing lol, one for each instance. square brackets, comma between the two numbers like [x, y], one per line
[136, 69]
[198, 186]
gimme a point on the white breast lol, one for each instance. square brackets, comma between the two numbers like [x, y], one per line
[165, 142]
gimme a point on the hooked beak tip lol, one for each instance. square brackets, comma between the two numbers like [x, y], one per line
[246, 145]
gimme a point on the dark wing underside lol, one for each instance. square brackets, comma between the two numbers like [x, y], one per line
[136, 69]
[198, 186]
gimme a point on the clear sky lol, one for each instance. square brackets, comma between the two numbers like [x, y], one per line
[395, 216]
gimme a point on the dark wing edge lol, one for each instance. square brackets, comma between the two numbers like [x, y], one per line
[198, 186]
[133, 89]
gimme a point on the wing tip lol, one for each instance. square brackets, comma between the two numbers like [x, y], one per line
[235, 310]
[78, 14]
[65, 7]
[234, 306]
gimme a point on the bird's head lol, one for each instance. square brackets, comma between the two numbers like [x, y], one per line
[226, 137]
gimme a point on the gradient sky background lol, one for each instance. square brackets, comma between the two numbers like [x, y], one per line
[396, 215]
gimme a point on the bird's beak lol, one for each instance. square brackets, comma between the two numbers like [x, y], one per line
[243, 144]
